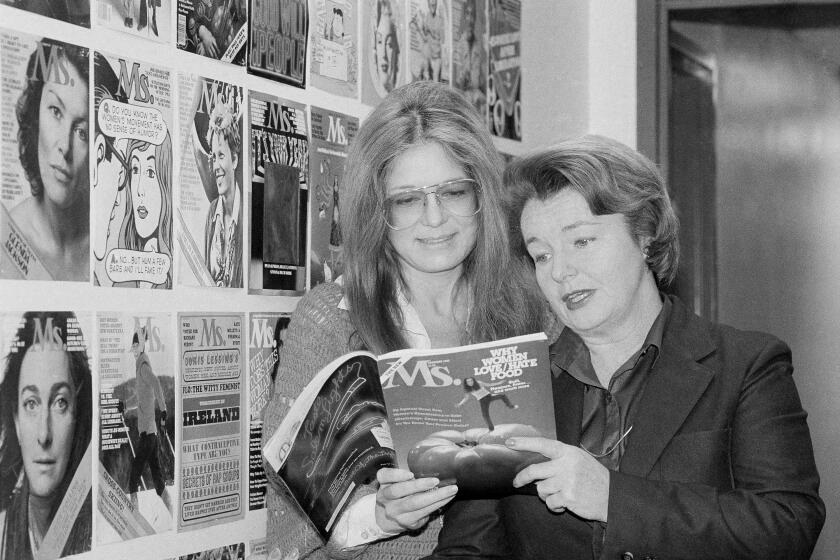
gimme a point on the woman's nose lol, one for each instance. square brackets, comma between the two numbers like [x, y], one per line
[562, 268]
[433, 212]
[45, 428]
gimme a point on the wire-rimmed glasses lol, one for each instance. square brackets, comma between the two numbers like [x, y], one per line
[459, 197]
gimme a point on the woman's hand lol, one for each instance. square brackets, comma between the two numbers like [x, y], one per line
[571, 478]
[404, 503]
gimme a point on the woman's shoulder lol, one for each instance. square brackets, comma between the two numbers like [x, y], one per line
[323, 306]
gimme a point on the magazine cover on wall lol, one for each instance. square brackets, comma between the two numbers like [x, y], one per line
[213, 28]
[332, 133]
[210, 205]
[149, 19]
[278, 34]
[45, 483]
[335, 47]
[226, 552]
[44, 197]
[469, 51]
[384, 40]
[132, 181]
[505, 77]
[135, 494]
[212, 468]
[279, 195]
[266, 339]
[430, 38]
[76, 12]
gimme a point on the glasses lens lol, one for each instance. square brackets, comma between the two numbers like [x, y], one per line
[459, 198]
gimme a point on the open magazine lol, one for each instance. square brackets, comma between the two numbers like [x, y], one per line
[442, 413]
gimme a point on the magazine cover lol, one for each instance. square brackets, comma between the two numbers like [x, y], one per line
[213, 28]
[469, 51]
[332, 133]
[149, 19]
[279, 195]
[334, 439]
[132, 203]
[278, 35]
[227, 552]
[211, 203]
[384, 44]
[430, 39]
[212, 463]
[45, 482]
[76, 12]
[335, 47]
[265, 340]
[44, 196]
[136, 425]
[505, 77]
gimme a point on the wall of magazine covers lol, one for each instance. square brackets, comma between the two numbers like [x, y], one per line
[211, 347]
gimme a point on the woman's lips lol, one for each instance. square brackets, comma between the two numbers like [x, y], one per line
[61, 173]
[142, 212]
[577, 299]
[438, 240]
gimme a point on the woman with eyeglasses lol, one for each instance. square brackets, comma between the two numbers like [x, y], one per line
[678, 437]
[427, 264]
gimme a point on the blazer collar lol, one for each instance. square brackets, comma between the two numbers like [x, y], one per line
[676, 382]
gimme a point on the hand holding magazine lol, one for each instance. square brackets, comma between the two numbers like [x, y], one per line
[443, 412]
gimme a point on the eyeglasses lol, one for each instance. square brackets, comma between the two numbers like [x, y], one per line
[612, 448]
[459, 197]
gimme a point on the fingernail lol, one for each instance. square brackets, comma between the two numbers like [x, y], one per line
[510, 442]
[432, 482]
[451, 489]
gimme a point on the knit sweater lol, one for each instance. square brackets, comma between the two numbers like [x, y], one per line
[318, 333]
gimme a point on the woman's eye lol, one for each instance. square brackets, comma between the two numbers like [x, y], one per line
[541, 258]
[150, 173]
[583, 242]
[406, 200]
[135, 170]
[30, 404]
[56, 112]
[61, 404]
[82, 133]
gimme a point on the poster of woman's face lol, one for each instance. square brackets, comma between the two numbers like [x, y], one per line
[385, 37]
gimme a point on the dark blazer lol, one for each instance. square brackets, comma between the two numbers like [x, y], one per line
[719, 465]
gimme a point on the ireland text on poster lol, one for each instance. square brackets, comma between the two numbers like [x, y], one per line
[213, 473]
[44, 203]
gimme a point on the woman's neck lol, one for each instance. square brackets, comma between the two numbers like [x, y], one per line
[39, 510]
[442, 307]
[64, 223]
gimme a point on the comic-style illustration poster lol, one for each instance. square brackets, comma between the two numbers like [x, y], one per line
[137, 418]
[384, 44]
[266, 339]
[332, 133]
[469, 51]
[149, 19]
[430, 40]
[278, 31]
[45, 483]
[213, 28]
[211, 199]
[44, 196]
[76, 12]
[505, 75]
[279, 195]
[132, 180]
[335, 47]
[213, 472]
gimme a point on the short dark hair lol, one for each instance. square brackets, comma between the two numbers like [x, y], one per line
[29, 102]
[613, 179]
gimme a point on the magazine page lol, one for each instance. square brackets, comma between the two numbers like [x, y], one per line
[211, 200]
[503, 97]
[216, 29]
[149, 19]
[132, 207]
[469, 51]
[335, 46]
[213, 472]
[234, 551]
[332, 133]
[430, 40]
[334, 439]
[279, 195]
[76, 12]
[265, 341]
[451, 410]
[279, 31]
[136, 425]
[46, 380]
[44, 196]
[384, 44]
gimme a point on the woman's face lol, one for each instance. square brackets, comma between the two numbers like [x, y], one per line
[590, 268]
[438, 241]
[386, 46]
[224, 165]
[45, 418]
[63, 139]
[146, 196]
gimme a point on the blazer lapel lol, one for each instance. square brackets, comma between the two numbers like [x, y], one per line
[676, 382]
